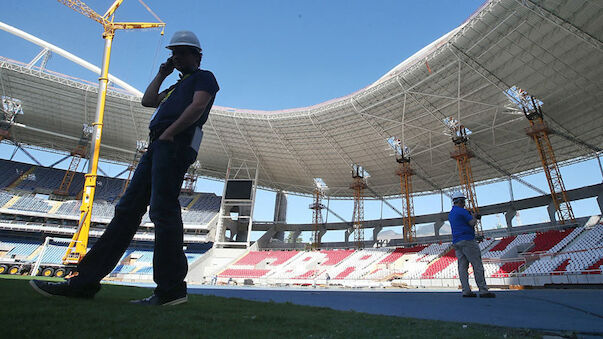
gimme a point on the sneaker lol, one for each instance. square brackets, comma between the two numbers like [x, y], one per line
[469, 295]
[63, 289]
[154, 300]
[487, 295]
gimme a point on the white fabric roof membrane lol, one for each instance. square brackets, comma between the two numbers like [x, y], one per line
[550, 48]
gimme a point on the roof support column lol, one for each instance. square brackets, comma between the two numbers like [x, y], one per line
[280, 213]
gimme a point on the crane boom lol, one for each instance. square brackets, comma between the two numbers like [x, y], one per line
[82, 8]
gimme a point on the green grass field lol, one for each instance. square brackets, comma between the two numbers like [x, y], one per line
[25, 313]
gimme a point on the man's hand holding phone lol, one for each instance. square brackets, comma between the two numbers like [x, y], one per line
[167, 67]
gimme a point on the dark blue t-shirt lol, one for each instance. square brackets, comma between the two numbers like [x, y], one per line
[181, 97]
[459, 222]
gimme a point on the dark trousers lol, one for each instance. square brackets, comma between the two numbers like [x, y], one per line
[156, 182]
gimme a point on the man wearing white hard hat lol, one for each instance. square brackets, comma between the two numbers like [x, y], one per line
[175, 138]
[466, 248]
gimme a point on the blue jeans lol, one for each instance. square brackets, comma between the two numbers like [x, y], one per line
[156, 182]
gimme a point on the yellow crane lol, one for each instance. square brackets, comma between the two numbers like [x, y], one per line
[79, 242]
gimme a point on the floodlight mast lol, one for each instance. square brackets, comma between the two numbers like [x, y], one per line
[317, 207]
[462, 154]
[405, 172]
[79, 243]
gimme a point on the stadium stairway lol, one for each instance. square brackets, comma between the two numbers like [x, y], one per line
[12, 201]
[193, 202]
[22, 177]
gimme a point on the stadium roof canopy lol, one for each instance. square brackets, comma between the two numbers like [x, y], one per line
[552, 49]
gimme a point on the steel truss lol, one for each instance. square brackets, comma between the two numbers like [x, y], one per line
[539, 132]
[405, 172]
[358, 187]
[462, 155]
[317, 222]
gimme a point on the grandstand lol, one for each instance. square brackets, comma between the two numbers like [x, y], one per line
[28, 209]
[198, 209]
[568, 254]
[552, 50]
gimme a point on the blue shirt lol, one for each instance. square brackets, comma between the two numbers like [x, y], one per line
[459, 222]
[180, 96]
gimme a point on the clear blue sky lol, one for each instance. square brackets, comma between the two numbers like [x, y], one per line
[270, 55]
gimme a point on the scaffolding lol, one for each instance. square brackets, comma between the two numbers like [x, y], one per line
[9, 110]
[190, 178]
[141, 148]
[317, 222]
[405, 173]
[462, 154]
[77, 154]
[358, 185]
[539, 132]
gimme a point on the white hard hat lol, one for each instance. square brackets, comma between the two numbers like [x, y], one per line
[184, 38]
[458, 195]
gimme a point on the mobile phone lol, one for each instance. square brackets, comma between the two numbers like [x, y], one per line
[170, 62]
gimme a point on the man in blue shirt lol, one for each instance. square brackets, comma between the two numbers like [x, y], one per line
[175, 137]
[466, 248]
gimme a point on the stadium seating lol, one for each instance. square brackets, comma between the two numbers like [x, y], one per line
[203, 210]
[259, 263]
[358, 264]
[207, 202]
[448, 263]
[544, 241]
[242, 273]
[503, 258]
[506, 246]
[566, 240]
[140, 261]
[401, 251]
[334, 257]
[50, 179]
[345, 273]
[185, 200]
[11, 171]
[71, 207]
[134, 261]
[4, 198]
[54, 254]
[198, 217]
[580, 256]
[440, 264]
[45, 180]
[272, 258]
[508, 267]
[20, 248]
[108, 189]
[31, 203]
[415, 268]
